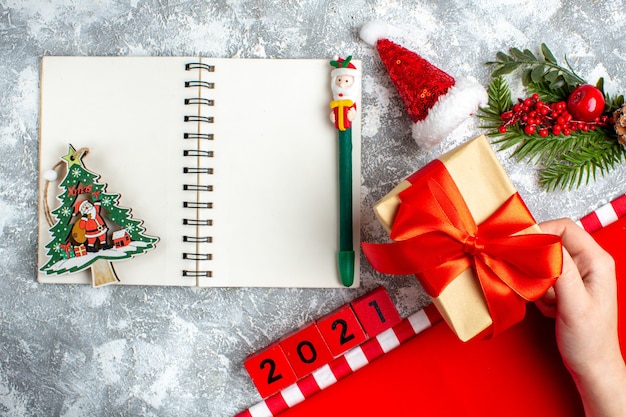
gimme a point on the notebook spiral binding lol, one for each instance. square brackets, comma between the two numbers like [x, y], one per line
[198, 102]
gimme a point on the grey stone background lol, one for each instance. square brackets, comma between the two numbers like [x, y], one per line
[73, 350]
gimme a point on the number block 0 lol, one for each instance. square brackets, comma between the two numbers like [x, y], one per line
[376, 311]
[306, 350]
[341, 330]
[270, 370]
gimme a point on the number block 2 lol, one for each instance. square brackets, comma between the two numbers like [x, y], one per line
[376, 311]
[341, 330]
[270, 370]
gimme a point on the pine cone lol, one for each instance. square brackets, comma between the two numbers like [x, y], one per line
[620, 124]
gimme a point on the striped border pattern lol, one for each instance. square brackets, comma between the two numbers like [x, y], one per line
[344, 365]
[376, 347]
[605, 215]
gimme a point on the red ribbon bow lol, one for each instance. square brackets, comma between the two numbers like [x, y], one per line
[437, 238]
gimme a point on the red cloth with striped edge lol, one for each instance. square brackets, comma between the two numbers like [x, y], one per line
[604, 215]
[517, 374]
[345, 365]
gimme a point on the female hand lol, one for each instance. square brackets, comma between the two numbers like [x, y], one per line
[584, 304]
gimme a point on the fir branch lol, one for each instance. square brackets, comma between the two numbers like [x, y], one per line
[499, 96]
[536, 69]
[581, 164]
[553, 148]
[499, 101]
[511, 138]
[565, 162]
[549, 93]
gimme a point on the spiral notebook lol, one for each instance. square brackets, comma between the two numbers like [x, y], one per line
[232, 163]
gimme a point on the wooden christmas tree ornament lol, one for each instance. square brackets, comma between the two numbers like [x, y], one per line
[90, 230]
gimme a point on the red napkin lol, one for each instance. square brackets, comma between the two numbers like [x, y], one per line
[518, 373]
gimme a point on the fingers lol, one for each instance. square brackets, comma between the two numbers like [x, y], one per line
[586, 253]
[569, 288]
[547, 308]
[547, 303]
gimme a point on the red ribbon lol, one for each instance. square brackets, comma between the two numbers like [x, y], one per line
[436, 238]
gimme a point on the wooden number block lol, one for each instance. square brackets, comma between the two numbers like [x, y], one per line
[270, 370]
[341, 330]
[376, 311]
[306, 350]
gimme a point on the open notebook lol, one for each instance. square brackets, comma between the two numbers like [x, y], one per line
[251, 139]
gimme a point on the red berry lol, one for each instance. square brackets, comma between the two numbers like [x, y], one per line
[585, 103]
[543, 132]
[556, 129]
[502, 129]
[529, 129]
[567, 132]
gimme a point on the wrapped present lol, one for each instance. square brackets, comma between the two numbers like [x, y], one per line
[460, 226]
[68, 250]
[80, 250]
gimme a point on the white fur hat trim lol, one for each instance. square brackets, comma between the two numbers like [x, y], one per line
[450, 110]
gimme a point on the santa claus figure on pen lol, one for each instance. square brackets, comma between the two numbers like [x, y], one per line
[93, 225]
[345, 90]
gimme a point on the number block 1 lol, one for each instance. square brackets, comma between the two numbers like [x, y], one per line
[270, 370]
[341, 330]
[376, 311]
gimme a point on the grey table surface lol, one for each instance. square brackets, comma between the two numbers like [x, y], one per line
[70, 350]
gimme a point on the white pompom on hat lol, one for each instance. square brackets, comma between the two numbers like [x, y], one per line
[435, 101]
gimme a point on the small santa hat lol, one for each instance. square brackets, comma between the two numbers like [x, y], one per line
[343, 67]
[436, 102]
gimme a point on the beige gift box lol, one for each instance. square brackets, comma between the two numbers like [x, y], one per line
[485, 186]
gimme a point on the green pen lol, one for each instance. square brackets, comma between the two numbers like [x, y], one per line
[345, 256]
[344, 85]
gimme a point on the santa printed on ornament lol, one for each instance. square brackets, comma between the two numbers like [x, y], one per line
[91, 227]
